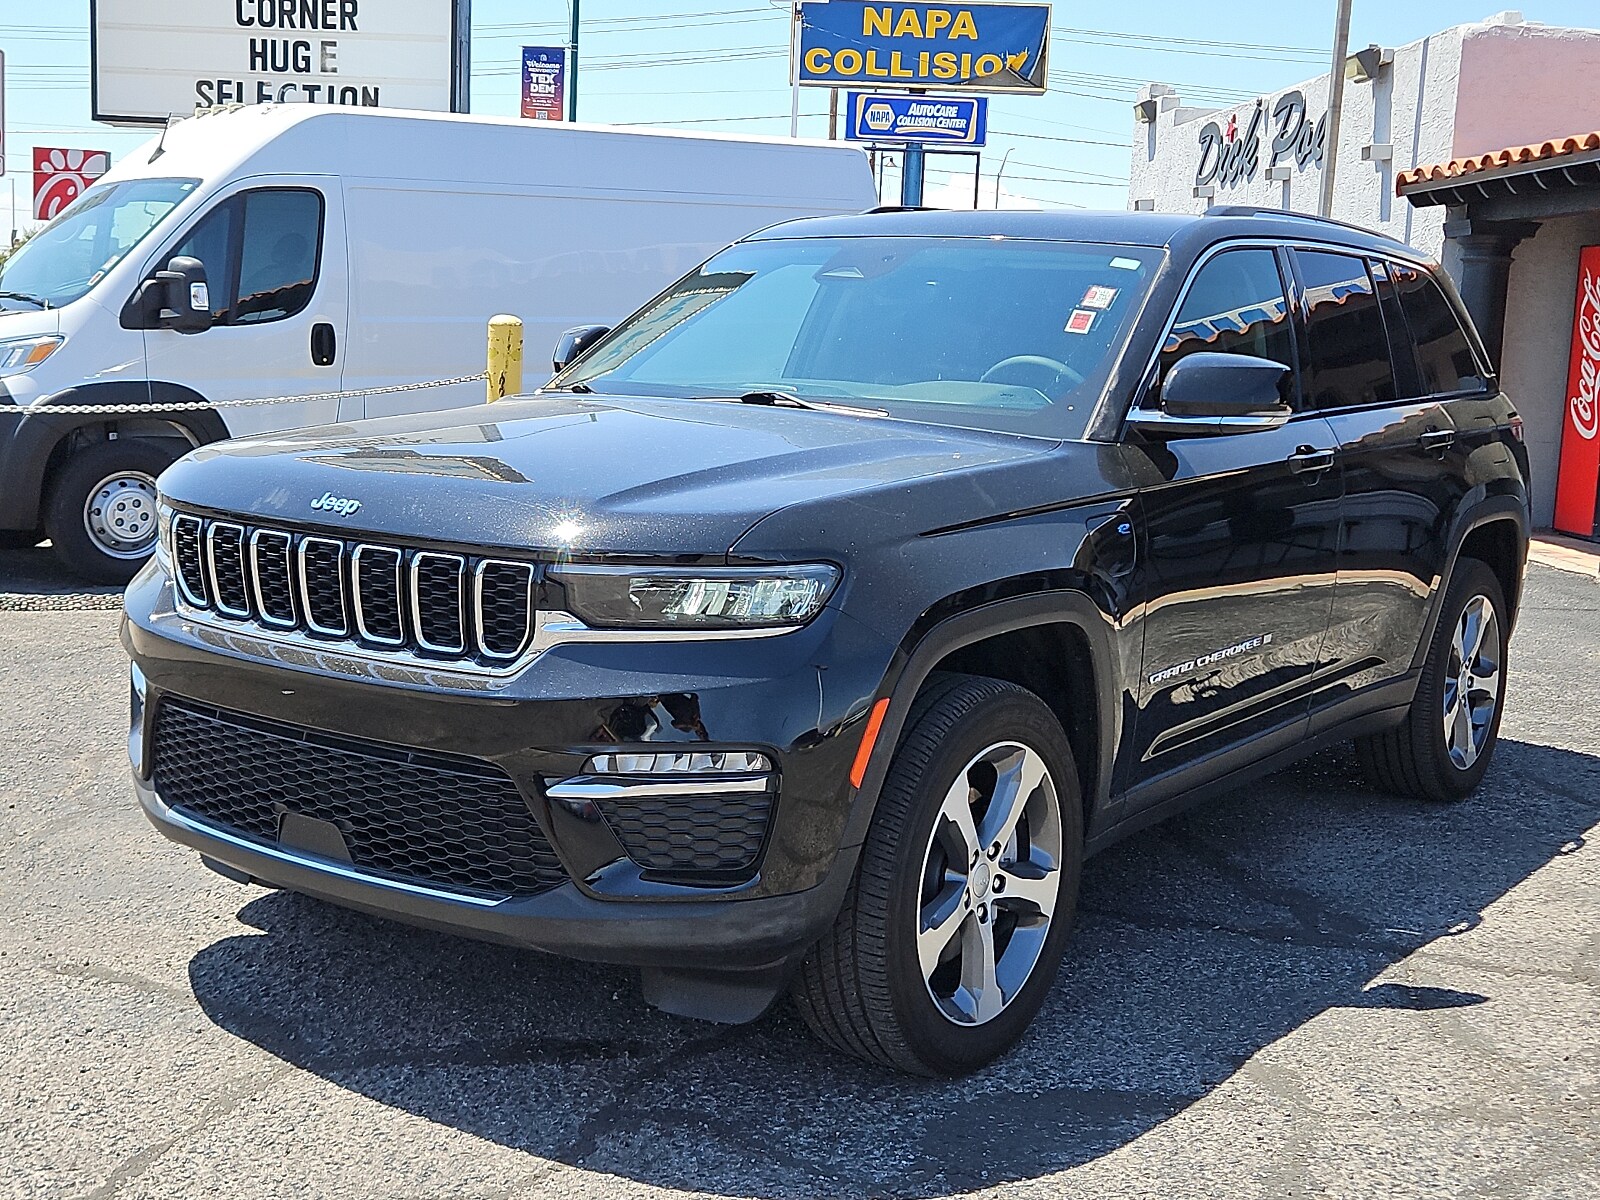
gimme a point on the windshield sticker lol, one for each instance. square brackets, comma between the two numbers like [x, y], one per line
[1099, 296]
[1125, 264]
[1081, 320]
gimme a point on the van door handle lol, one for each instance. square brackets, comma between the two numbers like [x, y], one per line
[1309, 460]
[1437, 441]
[324, 345]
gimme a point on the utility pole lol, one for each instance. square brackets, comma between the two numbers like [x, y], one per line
[1004, 158]
[1330, 149]
[833, 114]
[572, 64]
[794, 69]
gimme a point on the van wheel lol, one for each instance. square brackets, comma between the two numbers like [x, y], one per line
[956, 921]
[101, 512]
[1444, 746]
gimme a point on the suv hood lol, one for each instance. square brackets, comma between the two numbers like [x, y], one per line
[576, 474]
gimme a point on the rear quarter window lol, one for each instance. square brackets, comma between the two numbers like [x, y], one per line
[1445, 358]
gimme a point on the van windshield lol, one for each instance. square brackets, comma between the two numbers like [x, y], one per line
[989, 333]
[86, 239]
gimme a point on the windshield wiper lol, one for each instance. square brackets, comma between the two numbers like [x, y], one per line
[773, 398]
[28, 297]
[582, 389]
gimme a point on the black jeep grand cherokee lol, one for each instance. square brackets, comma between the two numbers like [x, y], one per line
[808, 630]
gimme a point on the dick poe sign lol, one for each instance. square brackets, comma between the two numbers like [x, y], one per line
[967, 47]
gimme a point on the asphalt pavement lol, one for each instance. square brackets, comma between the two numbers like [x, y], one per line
[1300, 990]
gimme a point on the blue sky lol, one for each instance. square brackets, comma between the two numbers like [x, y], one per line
[645, 63]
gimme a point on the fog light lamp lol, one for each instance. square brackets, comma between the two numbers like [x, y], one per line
[726, 762]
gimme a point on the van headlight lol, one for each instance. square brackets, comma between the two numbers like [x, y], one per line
[24, 354]
[605, 597]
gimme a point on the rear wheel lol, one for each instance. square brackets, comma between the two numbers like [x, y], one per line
[101, 511]
[1443, 749]
[953, 929]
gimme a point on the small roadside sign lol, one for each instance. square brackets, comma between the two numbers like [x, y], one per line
[930, 120]
[544, 89]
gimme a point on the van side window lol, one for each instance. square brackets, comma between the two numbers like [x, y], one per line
[260, 250]
[278, 265]
[1235, 305]
[212, 243]
[1444, 353]
[1349, 347]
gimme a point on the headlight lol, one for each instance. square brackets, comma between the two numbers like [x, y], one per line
[164, 535]
[23, 354]
[689, 598]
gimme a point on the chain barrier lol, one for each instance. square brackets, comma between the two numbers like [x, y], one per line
[107, 410]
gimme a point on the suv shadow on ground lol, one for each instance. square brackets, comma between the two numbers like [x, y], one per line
[1200, 943]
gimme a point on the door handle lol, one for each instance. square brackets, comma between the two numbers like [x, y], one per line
[324, 344]
[1437, 441]
[1309, 460]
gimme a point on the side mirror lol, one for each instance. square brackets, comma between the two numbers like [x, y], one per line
[185, 297]
[1209, 393]
[574, 342]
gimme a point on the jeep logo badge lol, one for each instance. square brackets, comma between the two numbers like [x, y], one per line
[339, 506]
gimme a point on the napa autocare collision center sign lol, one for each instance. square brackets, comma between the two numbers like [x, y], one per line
[151, 59]
[965, 47]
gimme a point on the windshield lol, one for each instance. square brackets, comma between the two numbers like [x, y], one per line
[988, 333]
[86, 239]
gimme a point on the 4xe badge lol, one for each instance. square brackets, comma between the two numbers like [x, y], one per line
[339, 506]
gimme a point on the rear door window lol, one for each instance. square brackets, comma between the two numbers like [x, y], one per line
[1402, 347]
[1445, 359]
[1348, 345]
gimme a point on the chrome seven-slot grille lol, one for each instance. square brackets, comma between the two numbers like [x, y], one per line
[424, 602]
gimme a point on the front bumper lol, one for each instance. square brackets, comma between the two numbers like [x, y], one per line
[796, 698]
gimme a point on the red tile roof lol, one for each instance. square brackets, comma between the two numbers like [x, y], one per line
[1509, 157]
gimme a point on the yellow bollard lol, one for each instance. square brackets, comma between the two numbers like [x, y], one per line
[505, 356]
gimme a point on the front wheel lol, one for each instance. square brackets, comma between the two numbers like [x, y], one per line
[101, 511]
[1443, 748]
[954, 927]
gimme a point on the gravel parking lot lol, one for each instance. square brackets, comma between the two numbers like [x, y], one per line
[1303, 989]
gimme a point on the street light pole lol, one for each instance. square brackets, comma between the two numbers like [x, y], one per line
[1003, 159]
[572, 66]
[1330, 149]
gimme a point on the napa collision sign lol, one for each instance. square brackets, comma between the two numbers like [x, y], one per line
[968, 47]
[150, 61]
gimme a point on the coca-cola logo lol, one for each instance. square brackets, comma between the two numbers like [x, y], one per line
[1584, 406]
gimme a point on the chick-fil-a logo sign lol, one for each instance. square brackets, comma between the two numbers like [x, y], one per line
[1579, 477]
[61, 176]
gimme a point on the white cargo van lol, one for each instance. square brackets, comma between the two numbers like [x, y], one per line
[283, 250]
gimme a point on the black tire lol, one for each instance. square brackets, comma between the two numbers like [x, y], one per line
[78, 479]
[1413, 759]
[861, 988]
[20, 539]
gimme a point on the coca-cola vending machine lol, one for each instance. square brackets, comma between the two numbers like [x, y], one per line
[1578, 481]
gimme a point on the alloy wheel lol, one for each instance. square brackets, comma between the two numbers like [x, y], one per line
[990, 878]
[1472, 682]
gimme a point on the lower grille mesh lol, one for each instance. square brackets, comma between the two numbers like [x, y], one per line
[457, 824]
[691, 833]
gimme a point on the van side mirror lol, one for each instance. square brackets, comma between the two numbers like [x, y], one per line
[1210, 393]
[574, 342]
[185, 296]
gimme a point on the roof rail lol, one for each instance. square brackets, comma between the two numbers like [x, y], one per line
[1253, 210]
[889, 208]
